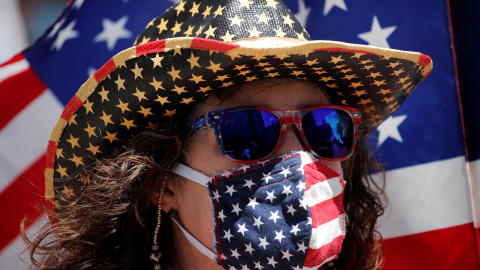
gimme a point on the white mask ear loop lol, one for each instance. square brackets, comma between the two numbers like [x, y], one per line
[201, 179]
[197, 244]
[192, 174]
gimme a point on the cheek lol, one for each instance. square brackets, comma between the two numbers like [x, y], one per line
[196, 212]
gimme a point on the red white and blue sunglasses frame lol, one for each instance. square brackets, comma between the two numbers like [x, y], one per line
[213, 119]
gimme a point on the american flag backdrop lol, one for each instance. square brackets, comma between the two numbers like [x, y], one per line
[429, 145]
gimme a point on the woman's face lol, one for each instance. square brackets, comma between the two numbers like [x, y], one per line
[203, 154]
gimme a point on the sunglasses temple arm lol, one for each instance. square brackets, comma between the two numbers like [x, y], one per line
[357, 117]
[196, 125]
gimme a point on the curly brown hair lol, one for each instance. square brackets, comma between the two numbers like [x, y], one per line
[110, 224]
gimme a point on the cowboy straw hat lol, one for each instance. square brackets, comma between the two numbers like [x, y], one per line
[197, 48]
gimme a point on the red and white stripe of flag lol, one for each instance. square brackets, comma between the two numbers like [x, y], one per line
[29, 111]
[324, 197]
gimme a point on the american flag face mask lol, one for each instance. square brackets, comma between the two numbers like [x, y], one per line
[283, 213]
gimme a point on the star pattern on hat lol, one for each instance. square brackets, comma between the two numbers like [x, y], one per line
[204, 16]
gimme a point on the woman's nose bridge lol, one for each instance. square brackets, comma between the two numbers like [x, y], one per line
[291, 140]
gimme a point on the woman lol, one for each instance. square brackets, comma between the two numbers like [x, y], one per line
[234, 149]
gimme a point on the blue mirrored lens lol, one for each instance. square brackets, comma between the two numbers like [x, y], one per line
[249, 134]
[329, 132]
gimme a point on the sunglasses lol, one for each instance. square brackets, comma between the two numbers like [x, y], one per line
[251, 134]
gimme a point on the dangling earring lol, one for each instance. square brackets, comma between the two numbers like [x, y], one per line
[172, 213]
[156, 255]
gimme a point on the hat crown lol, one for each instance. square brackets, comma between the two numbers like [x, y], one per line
[225, 21]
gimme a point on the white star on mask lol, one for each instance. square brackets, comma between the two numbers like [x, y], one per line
[235, 253]
[286, 190]
[301, 169]
[221, 215]
[279, 236]
[227, 235]
[258, 222]
[286, 255]
[303, 203]
[291, 210]
[301, 186]
[236, 209]
[302, 247]
[242, 229]
[285, 172]
[253, 203]
[230, 190]
[258, 265]
[216, 196]
[274, 216]
[271, 196]
[249, 183]
[272, 262]
[266, 177]
[263, 242]
[248, 248]
[295, 229]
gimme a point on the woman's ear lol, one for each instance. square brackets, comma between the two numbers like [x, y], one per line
[169, 194]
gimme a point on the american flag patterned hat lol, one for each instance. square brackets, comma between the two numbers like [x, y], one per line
[199, 47]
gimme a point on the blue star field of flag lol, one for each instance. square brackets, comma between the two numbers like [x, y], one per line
[88, 34]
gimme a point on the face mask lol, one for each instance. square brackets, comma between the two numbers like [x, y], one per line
[283, 213]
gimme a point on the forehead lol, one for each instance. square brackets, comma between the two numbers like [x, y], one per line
[282, 94]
